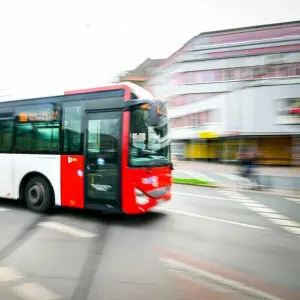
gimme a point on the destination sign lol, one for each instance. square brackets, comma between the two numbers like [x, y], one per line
[38, 114]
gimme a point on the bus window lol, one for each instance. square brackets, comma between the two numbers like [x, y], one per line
[37, 129]
[6, 135]
[72, 129]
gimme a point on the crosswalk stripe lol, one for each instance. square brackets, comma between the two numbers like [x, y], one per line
[293, 230]
[199, 176]
[286, 223]
[296, 200]
[272, 215]
[230, 176]
[262, 209]
[31, 290]
[9, 274]
[80, 233]
[2, 209]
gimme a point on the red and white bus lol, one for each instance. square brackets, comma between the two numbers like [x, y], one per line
[105, 148]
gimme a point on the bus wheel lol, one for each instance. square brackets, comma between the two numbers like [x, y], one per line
[38, 195]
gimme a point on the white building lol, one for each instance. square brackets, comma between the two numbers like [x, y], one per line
[239, 82]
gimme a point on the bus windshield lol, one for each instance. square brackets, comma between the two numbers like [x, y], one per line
[149, 146]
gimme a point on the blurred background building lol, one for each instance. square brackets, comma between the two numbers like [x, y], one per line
[233, 88]
[142, 73]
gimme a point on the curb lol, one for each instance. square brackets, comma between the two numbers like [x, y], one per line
[201, 185]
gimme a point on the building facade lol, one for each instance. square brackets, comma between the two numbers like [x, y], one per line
[234, 87]
[142, 73]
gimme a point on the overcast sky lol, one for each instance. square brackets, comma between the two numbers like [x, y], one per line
[79, 43]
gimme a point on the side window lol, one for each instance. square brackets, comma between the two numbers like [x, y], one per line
[37, 129]
[104, 136]
[72, 129]
[6, 135]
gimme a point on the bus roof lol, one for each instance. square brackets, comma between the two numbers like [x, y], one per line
[139, 92]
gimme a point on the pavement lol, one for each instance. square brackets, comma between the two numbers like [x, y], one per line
[204, 244]
[281, 178]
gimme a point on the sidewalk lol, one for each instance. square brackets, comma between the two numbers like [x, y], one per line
[272, 178]
[227, 168]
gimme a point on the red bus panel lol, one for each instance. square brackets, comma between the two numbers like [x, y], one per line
[72, 180]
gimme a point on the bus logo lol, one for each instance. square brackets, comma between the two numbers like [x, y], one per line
[71, 159]
[151, 180]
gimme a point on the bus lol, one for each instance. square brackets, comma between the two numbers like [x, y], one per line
[105, 148]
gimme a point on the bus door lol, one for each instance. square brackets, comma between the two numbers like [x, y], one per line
[102, 160]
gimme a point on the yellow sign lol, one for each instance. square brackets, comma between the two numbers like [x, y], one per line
[207, 135]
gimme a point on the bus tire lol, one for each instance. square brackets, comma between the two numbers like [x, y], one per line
[38, 195]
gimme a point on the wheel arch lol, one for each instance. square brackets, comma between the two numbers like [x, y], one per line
[26, 179]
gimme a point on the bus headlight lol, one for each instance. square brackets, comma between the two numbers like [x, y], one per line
[140, 197]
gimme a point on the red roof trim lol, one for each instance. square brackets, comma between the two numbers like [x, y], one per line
[102, 89]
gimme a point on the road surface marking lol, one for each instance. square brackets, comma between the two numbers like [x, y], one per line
[286, 223]
[30, 291]
[238, 197]
[68, 229]
[201, 196]
[253, 204]
[235, 195]
[210, 218]
[230, 176]
[296, 200]
[188, 270]
[9, 274]
[274, 216]
[199, 176]
[229, 193]
[293, 230]
[2, 209]
[261, 209]
[245, 201]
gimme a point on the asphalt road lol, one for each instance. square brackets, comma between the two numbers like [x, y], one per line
[205, 244]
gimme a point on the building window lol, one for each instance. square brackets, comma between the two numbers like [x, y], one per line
[297, 70]
[6, 135]
[219, 75]
[37, 129]
[229, 74]
[72, 129]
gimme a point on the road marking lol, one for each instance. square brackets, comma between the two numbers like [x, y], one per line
[245, 201]
[201, 196]
[253, 204]
[210, 218]
[239, 197]
[286, 223]
[68, 229]
[293, 230]
[274, 216]
[30, 291]
[229, 193]
[2, 209]
[185, 270]
[9, 274]
[199, 176]
[296, 200]
[262, 209]
[230, 176]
